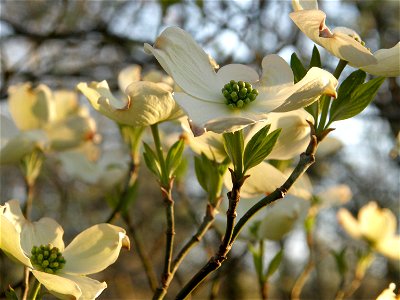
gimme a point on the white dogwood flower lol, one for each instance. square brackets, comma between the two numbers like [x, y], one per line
[343, 42]
[62, 270]
[375, 225]
[235, 96]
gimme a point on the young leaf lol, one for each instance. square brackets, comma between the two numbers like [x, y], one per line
[174, 157]
[234, 144]
[315, 58]
[357, 101]
[259, 147]
[299, 71]
[275, 262]
[257, 260]
[151, 160]
[10, 294]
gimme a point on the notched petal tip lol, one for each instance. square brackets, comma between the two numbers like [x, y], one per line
[126, 243]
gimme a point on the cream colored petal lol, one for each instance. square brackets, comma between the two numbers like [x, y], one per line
[294, 137]
[187, 63]
[10, 241]
[147, 103]
[65, 103]
[304, 4]
[128, 75]
[59, 286]
[335, 195]
[94, 249]
[349, 223]
[388, 294]
[329, 146]
[209, 143]
[89, 287]
[312, 24]
[263, 180]
[23, 144]
[388, 64]
[389, 247]
[43, 232]
[277, 74]
[317, 82]
[376, 223]
[236, 72]
[7, 130]
[70, 132]
[281, 217]
[12, 211]
[30, 108]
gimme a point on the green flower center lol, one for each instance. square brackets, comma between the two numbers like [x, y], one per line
[238, 94]
[47, 258]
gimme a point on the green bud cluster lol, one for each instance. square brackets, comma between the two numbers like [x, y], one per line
[47, 258]
[238, 94]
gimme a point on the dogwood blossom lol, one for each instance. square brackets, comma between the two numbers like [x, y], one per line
[343, 42]
[375, 225]
[143, 103]
[61, 270]
[235, 96]
[42, 119]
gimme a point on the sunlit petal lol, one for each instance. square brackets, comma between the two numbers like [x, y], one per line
[277, 74]
[389, 247]
[61, 287]
[349, 223]
[65, 103]
[388, 62]
[184, 60]
[89, 288]
[236, 72]
[304, 4]
[128, 75]
[308, 90]
[94, 249]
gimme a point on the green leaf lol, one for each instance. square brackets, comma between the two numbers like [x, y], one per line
[234, 145]
[299, 71]
[151, 161]
[202, 169]
[274, 264]
[315, 58]
[259, 147]
[354, 103]
[174, 157]
[257, 260]
[340, 260]
[10, 294]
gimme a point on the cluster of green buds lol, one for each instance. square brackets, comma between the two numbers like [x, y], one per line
[47, 258]
[238, 94]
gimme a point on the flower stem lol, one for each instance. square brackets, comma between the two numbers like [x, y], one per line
[157, 142]
[35, 289]
[326, 100]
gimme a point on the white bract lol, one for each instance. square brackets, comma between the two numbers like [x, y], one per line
[375, 225]
[43, 120]
[343, 42]
[90, 252]
[226, 100]
[388, 294]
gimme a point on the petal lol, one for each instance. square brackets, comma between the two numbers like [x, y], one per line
[7, 129]
[281, 216]
[388, 294]
[236, 72]
[70, 132]
[316, 83]
[294, 137]
[43, 232]
[10, 241]
[94, 249]
[89, 287]
[30, 108]
[147, 103]
[263, 180]
[187, 63]
[209, 143]
[376, 223]
[12, 211]
[304, 4]
[59, 286]
[128, 75]
[328, 147]
[65, 103]
[277, 74]
[390, 247]
[343, 46]
[349, 223]
[24, 143]
[335, 195]
[388, 62]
